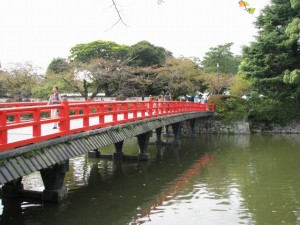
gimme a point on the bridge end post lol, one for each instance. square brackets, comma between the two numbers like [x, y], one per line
[53, 179]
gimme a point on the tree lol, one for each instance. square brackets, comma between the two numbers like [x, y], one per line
[218, 83]
[58, 65]
[240, 86]
[99, 75]
[3, 77]
[271, 64]
[180, 76]
[145, 54]
[19, 80]
[221, 60]
[292, 75]
[107, 50]
[272, 61]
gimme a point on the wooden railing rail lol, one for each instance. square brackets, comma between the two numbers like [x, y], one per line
[34, 122]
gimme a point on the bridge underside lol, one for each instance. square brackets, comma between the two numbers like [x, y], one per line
[51, 157]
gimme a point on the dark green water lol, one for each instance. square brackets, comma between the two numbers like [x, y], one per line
[209, 180]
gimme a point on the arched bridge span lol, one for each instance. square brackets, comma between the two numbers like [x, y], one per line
[28, 143]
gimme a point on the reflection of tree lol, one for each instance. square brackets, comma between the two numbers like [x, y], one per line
[266, 178]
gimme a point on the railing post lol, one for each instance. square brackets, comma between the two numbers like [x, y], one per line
[125, 111]
[36, 129]
[86, 112]
[17, 118]
[114, 112]
[163, 108]
[3, 130]
[65, 115]
[150, 107]
[142, 109]
[134, 108]
[101, 112]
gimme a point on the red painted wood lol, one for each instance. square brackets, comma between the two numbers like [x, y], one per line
[34, 115]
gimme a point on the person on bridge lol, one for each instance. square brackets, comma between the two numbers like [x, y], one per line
[54, 99]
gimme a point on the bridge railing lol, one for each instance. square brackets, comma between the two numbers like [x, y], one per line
[22, 125]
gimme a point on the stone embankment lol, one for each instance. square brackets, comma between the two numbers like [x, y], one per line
[213, 126]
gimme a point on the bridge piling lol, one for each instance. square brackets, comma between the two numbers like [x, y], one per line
[192, 124]
[118, 147]
[143, 141]
[167, 132]
[94, 154]
[176, 130]
[158, 136]
[53, 179]
[12, 188]
[15, 189]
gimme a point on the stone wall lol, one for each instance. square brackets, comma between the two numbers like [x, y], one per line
[290, 128]
[210, 125]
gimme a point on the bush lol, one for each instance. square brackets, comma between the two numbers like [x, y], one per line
[266, 110]
[229, 108]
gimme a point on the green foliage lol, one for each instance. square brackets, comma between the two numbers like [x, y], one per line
[292, 77]
[3, 76]
[58, 65]
[108, 50]
[145, 54]
[273, 53]
[293, 31]
[221, 60]
[229, 108]
[240, 86]
[19, 80]
[295, 3]
[267, 110]
[180, 76]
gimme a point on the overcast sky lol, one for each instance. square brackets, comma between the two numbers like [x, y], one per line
[38, 31]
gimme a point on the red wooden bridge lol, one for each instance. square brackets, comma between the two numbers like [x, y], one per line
[28, 143]
[23, 123]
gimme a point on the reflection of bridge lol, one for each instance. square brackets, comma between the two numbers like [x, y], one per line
[28, 143]
[173, 189]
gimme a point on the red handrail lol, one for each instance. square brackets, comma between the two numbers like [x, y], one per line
[23, 125]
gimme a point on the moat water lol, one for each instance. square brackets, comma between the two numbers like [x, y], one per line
[211, 180]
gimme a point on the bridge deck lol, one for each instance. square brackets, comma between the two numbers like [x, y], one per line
[25, 133]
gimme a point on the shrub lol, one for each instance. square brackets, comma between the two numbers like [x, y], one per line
[229, 108]
[266, 110]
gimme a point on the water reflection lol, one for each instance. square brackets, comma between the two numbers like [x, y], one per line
[209, 180]
[172, 190]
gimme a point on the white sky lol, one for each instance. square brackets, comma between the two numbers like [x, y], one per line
[37, 31]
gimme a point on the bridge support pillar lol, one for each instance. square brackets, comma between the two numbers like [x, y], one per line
[158, 136]
[167, 133]
[118, 147]
[12, 188]
[143, 141]
[15, 189]
[53, 179]
[193, 123]
[176, 130]
[94, 154]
